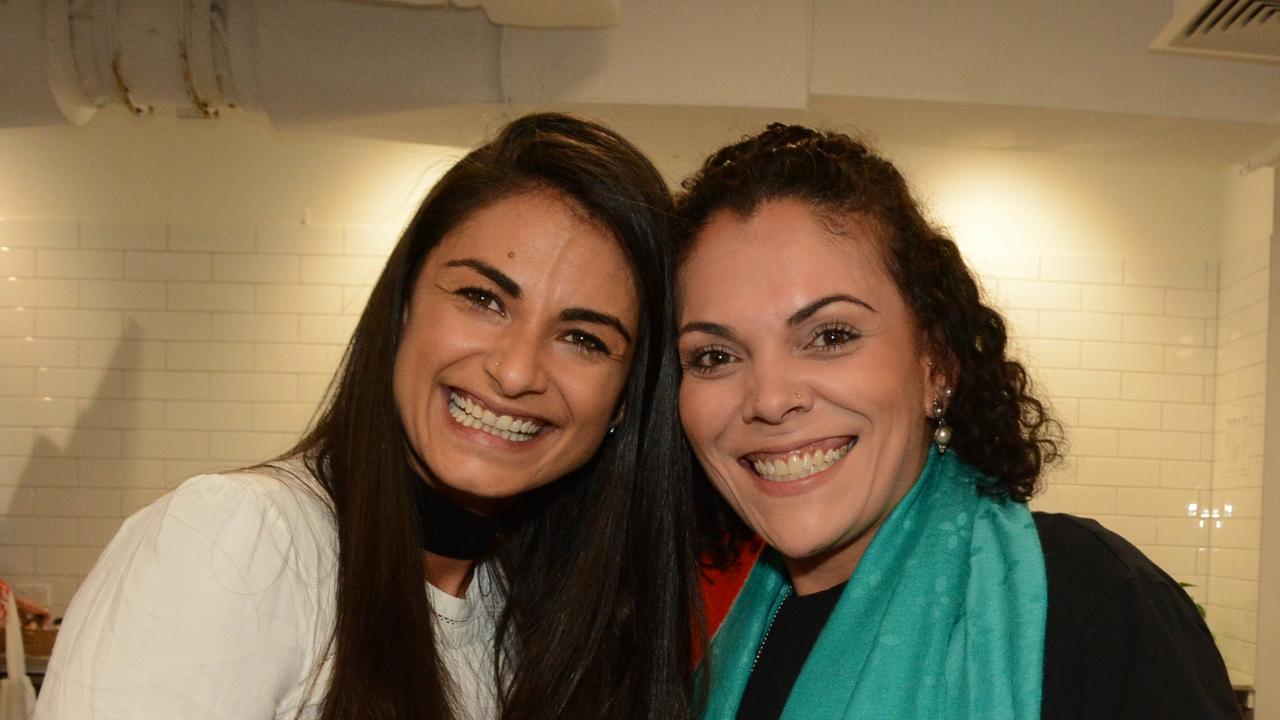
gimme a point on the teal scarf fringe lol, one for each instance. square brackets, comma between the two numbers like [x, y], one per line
[943, 617]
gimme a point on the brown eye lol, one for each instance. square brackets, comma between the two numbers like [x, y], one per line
[833, 337]
[586, 342]
[481, 299]
[709, 359]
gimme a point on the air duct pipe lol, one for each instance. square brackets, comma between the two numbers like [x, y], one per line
[294, 60]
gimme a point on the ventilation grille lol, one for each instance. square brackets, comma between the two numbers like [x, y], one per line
[1238, 29]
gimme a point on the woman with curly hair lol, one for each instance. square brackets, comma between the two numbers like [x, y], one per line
[444, 543]
[851, 397]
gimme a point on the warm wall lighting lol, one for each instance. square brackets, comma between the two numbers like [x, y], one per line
[389, 193]
[1209, 514]
[985, 202]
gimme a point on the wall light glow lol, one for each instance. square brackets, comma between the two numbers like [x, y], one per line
[991, 210]
[391, 192]
[1209, 513]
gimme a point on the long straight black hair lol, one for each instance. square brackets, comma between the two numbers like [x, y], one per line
[597, 568]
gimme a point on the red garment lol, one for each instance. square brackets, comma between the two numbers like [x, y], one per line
[720, 587]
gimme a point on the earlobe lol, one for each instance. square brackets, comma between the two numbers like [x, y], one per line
[935, 382]
[941, 381]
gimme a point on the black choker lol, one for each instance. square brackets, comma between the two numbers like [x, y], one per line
[449, 529]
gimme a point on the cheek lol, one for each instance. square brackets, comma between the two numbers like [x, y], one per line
[593, 395]
[693, 416]
[402, 374]
[707, 413]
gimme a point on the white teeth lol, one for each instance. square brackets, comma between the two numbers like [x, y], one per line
[469, 413]
[799, 465]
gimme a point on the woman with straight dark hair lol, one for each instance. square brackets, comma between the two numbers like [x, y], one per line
[486, 520]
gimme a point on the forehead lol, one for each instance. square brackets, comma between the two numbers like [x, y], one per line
[548, 245]
[781, 257]
[541, 224]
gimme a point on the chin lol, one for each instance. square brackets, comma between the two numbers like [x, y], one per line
[794, 541]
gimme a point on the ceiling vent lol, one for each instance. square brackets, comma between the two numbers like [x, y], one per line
[1233, 29]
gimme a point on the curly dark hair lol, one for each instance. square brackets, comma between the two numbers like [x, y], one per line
[1002, 428]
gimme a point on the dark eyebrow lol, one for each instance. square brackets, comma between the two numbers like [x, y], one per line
[593, 316]
[808, 311]
[501, 279]
[709, 328]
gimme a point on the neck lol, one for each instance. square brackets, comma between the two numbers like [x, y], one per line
[449, 530]
[827, 569]
[451, 575]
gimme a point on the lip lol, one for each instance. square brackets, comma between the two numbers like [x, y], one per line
[800, 486]
[498, 409]
[486, 439]
[791, 448]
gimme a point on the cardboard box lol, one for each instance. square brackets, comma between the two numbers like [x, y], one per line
[37, 643]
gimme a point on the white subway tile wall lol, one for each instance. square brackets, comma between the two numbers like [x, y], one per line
[1163, 373]
[1240, 342]
[135, 355]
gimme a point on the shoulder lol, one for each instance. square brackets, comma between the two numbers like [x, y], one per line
[214, 601]
[288, 486]
[1081, 553]
[1090, 569]
[1122, 638]
[243, 526]
[287, 489]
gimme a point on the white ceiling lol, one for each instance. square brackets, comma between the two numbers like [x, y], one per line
[688, 74]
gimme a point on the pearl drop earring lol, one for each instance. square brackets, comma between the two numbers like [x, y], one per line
[941, 433]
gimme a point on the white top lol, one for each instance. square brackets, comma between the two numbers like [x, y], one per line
[217, 602]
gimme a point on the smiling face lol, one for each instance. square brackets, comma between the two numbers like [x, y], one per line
[516, 346]
[805, 391]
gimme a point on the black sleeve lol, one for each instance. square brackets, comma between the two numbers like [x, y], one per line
[1123, 640]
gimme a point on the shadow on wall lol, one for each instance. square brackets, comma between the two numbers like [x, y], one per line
[94, 460]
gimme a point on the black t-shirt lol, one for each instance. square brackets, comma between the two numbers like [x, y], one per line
[1122, 639]
[790, 638]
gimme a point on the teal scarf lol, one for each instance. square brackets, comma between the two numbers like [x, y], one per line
[943, 617]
